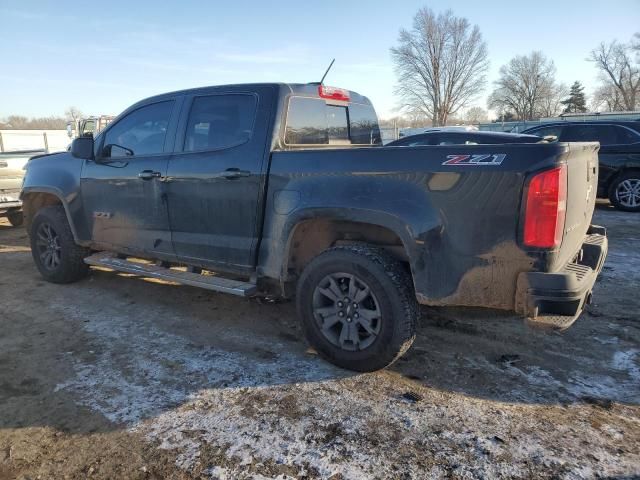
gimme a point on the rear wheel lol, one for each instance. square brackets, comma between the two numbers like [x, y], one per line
[54, 251]
[357, 307]
[624, 192]
[15, 218]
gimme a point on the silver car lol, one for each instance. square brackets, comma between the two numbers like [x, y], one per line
[11, 174]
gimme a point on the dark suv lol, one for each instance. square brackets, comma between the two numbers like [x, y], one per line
[619, 156]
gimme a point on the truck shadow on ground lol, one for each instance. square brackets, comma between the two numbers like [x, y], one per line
[125, 349]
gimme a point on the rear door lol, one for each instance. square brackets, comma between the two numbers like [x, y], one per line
[216, 177]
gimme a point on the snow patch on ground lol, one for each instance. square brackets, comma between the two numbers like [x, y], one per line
[624, 388]
[297, 411]
[134, 380]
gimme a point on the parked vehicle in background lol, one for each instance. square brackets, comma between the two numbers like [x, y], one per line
[619, 156]
[284, 190]
[11, 175]
[88, 126]
[438, 137]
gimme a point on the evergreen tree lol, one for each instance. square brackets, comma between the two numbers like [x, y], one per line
[576, 102]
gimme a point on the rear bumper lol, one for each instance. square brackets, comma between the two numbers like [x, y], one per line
[556, 300]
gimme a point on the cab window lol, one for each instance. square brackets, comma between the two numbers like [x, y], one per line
[311, 121]
[363, 123]
[141, 132]
[220, 121]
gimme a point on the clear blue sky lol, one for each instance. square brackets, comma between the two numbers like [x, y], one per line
[102, 56]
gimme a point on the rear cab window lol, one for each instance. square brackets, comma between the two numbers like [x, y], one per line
[316, 122]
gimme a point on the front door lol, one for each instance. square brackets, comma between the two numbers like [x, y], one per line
[216, 179]
[123, 189]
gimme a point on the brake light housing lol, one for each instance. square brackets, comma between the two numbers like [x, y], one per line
[545, 209]
[333, 93]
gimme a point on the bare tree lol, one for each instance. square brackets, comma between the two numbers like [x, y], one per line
[619, 65]
[47, 123]
[73, 114]
[606, 98]
[476, 115]
[550, 104]
[526, 87]
[16, 122]
[441, 64]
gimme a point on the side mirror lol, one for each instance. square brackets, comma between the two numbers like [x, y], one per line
[82, 147]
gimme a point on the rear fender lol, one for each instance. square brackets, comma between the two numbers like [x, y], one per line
[385, 220]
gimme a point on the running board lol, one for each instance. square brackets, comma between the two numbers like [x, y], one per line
[209, 282]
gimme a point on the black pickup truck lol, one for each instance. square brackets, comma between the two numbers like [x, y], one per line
[285, 190]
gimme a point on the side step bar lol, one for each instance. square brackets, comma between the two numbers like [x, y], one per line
[209, 282]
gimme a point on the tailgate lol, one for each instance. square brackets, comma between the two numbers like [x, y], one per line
[582, 183]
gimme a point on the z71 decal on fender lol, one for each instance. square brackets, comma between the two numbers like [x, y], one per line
[488, 159]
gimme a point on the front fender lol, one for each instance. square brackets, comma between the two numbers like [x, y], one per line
[58, 175]
[30, 192]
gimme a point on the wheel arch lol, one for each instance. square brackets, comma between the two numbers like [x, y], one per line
[620, 173]
[312, 232]
[625, 170]
[35, 198]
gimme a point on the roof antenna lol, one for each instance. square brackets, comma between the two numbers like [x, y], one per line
[325, 73]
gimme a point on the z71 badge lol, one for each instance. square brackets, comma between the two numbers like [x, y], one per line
[488, 159]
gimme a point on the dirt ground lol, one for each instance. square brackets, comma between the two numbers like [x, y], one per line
[122, 377]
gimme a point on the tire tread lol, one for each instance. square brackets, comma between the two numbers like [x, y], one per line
[73, 267]
[402, 283]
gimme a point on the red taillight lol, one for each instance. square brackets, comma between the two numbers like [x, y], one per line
[333, 93]
[545, 209]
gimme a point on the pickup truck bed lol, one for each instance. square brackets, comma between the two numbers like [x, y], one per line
[458, 225]
[304, 201]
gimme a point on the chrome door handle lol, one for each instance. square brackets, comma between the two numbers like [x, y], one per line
[232, 173]
[149, 174]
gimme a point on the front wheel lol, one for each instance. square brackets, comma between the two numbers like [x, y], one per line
[55, 253]
[357, 307]
[624, 192]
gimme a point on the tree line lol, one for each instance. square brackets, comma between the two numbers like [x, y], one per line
[442, 61]
[20, 122]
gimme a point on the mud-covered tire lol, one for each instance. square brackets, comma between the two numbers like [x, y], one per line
[624, 191]
[16, 219]
[70, 266]
[391, 288]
